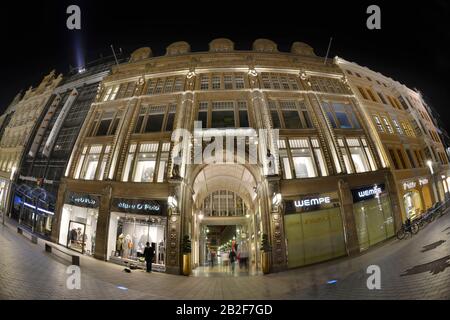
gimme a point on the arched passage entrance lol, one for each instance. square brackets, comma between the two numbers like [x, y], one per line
[227, 215]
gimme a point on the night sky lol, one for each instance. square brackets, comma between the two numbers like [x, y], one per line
[412, 46]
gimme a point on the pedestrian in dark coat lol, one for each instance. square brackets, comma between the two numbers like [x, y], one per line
[149, 253]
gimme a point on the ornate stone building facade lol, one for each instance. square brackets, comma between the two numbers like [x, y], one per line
[20, 129]
[322, 186]
[406, 136]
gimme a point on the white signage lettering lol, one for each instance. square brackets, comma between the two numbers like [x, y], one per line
[409, 185]
[311, 202]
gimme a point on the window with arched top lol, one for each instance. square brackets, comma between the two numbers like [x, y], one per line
[224, 203]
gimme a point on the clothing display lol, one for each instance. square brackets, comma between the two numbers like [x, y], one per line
[132, 236]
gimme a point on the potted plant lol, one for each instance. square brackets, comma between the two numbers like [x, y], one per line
[186, 249]
[265, 253]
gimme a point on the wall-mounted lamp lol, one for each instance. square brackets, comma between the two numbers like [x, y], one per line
[276, 200]
[172, 202]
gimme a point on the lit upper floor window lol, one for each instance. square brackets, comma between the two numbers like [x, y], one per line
[408, 129]
[329, 85]
[223, 114]
[146, 162]
[289, 114]
[378, 123]
[92, 162]
[227, 81]
[165, 85]
[105, 123]
[276, 81]
[155, 119]
[387, 124]
[397, 126]
[356, 154]
[110, 93]
[301, 158]
[341, 115]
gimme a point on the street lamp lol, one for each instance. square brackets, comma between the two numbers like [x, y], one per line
[430, 165]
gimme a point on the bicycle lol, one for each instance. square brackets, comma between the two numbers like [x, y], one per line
[411, 228]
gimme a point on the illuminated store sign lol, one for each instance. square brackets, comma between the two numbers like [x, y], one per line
[409, 185]
[423, 181]
[82, 200]
[153, 207]
[367, 193]
[311, 203]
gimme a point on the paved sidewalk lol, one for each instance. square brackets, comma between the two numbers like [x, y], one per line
[416, 268]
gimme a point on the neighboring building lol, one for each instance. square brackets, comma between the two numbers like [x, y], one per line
[47, 156]
[321, 188]
[406, 135]
[5, 118]
[19, 131]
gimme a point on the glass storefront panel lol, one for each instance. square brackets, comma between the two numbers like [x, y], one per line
[374, 221]
[78, 228]
[413, 204]
[314, 230]
[129, 233]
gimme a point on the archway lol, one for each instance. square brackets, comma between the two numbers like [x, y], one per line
[227, 217]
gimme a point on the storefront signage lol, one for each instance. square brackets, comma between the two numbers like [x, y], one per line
[82, 200]
[367, 193]
[153, 207]
[311, 203]
[409, 185]
[423, 181]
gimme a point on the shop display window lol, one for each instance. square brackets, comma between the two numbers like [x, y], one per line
[374, 221]
[129, 233]
[78, 228]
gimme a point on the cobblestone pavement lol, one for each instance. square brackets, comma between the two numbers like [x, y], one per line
[416, 268]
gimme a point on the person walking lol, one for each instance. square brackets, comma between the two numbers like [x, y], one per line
[232, 257]
[149, 253]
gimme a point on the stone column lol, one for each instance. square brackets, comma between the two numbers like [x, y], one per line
[174, 234]
[348, 218]
[56, 223]
[277, 236]
[101, 235]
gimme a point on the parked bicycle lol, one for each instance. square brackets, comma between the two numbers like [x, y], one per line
[408, 227]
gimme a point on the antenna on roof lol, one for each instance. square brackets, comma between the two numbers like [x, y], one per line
[114, 53]
[328, 50]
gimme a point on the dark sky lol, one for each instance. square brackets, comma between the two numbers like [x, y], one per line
[412, 46]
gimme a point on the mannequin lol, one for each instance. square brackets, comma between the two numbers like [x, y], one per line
[119, 244]
[127, 246]
[161, 252]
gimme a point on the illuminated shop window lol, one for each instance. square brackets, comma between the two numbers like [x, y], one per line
[302, 158]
